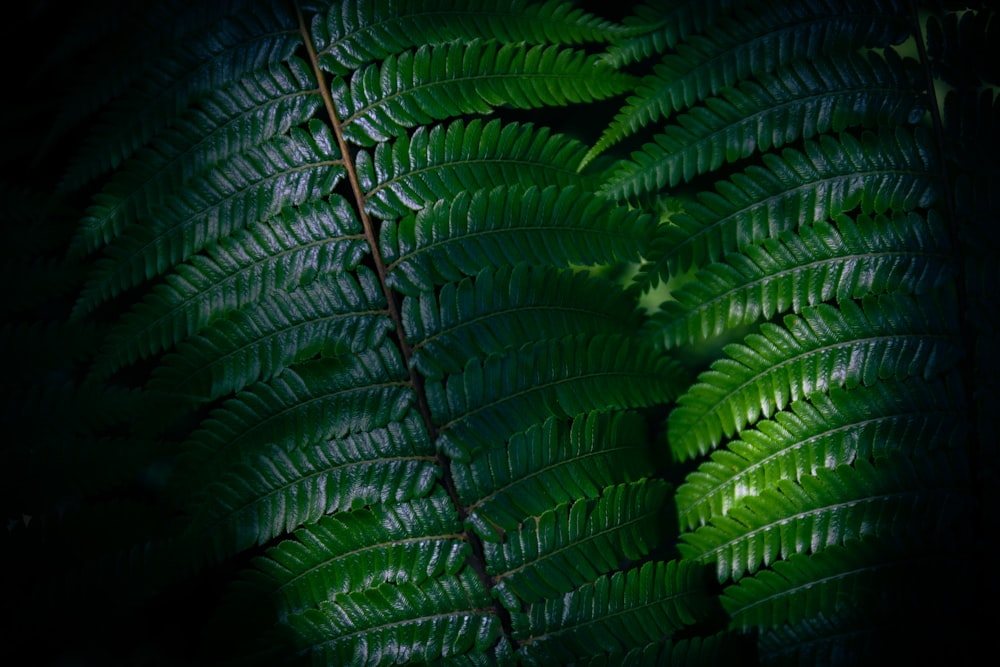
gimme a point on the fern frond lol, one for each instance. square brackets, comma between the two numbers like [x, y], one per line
[575, 543]
[305, 404]
[350, 551]
[227, 122]
[481, 316]
[891, 170]
[327, 317]
[503, 394]
[722, 648]
[448, 160]
[895, 497]
[235, 46]
[293, 248]
[862, 634]
[857, 572]
[797, 101]
[628, 608]
[894, 336]
[653, 28]
[146, 33]
[549, 464]
[827, 430]
[507, 225]
[384, 101]
[250, 188]
[442, 618]
[276, 489]
[818, 263]
[753, 41]
[354, 34]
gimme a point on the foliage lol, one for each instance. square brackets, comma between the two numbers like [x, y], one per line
[493, 333]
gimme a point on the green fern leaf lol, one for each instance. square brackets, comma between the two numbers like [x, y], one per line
[722, 648]
[252, 187]
[549, 464]
[326, 317]
[433, 84]
[891, 497]
[797, 101]
[148, 33]
[878, 173]
[748, 44]
[211, 59]
[442, 618]
[508, 304]
[503, 394]
[305, 404]
[572, 544]
[503, 226]
[655, 27]
[446, 161]
[892, 336]
[624, 609]
[825, 431]
[819, 263]
[290, 249]
[354, 34]
[227, 122]
[859, 572]
[276, 490]
[350, 551]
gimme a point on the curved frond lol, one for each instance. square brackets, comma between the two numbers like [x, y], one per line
[627, 608]
[895, 496]
[356, 33]
[305, 404]
[827, 430]
[442, 618]
[507, 225]
[550, 464]
[147, 33]
[291, 249]
[214, 58]
[654, 27]
[384, 101]
[494, 398]
[252, 187]
[481, 316]
[327, 317]
[575, 543]
[817, 263]
[751, 42]
[226, 122]
[277, 489]
[891, 170]
[894, 336]
[408, 541]
[857, 572]
[797, 101]
[723, 648]
[446, 161]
